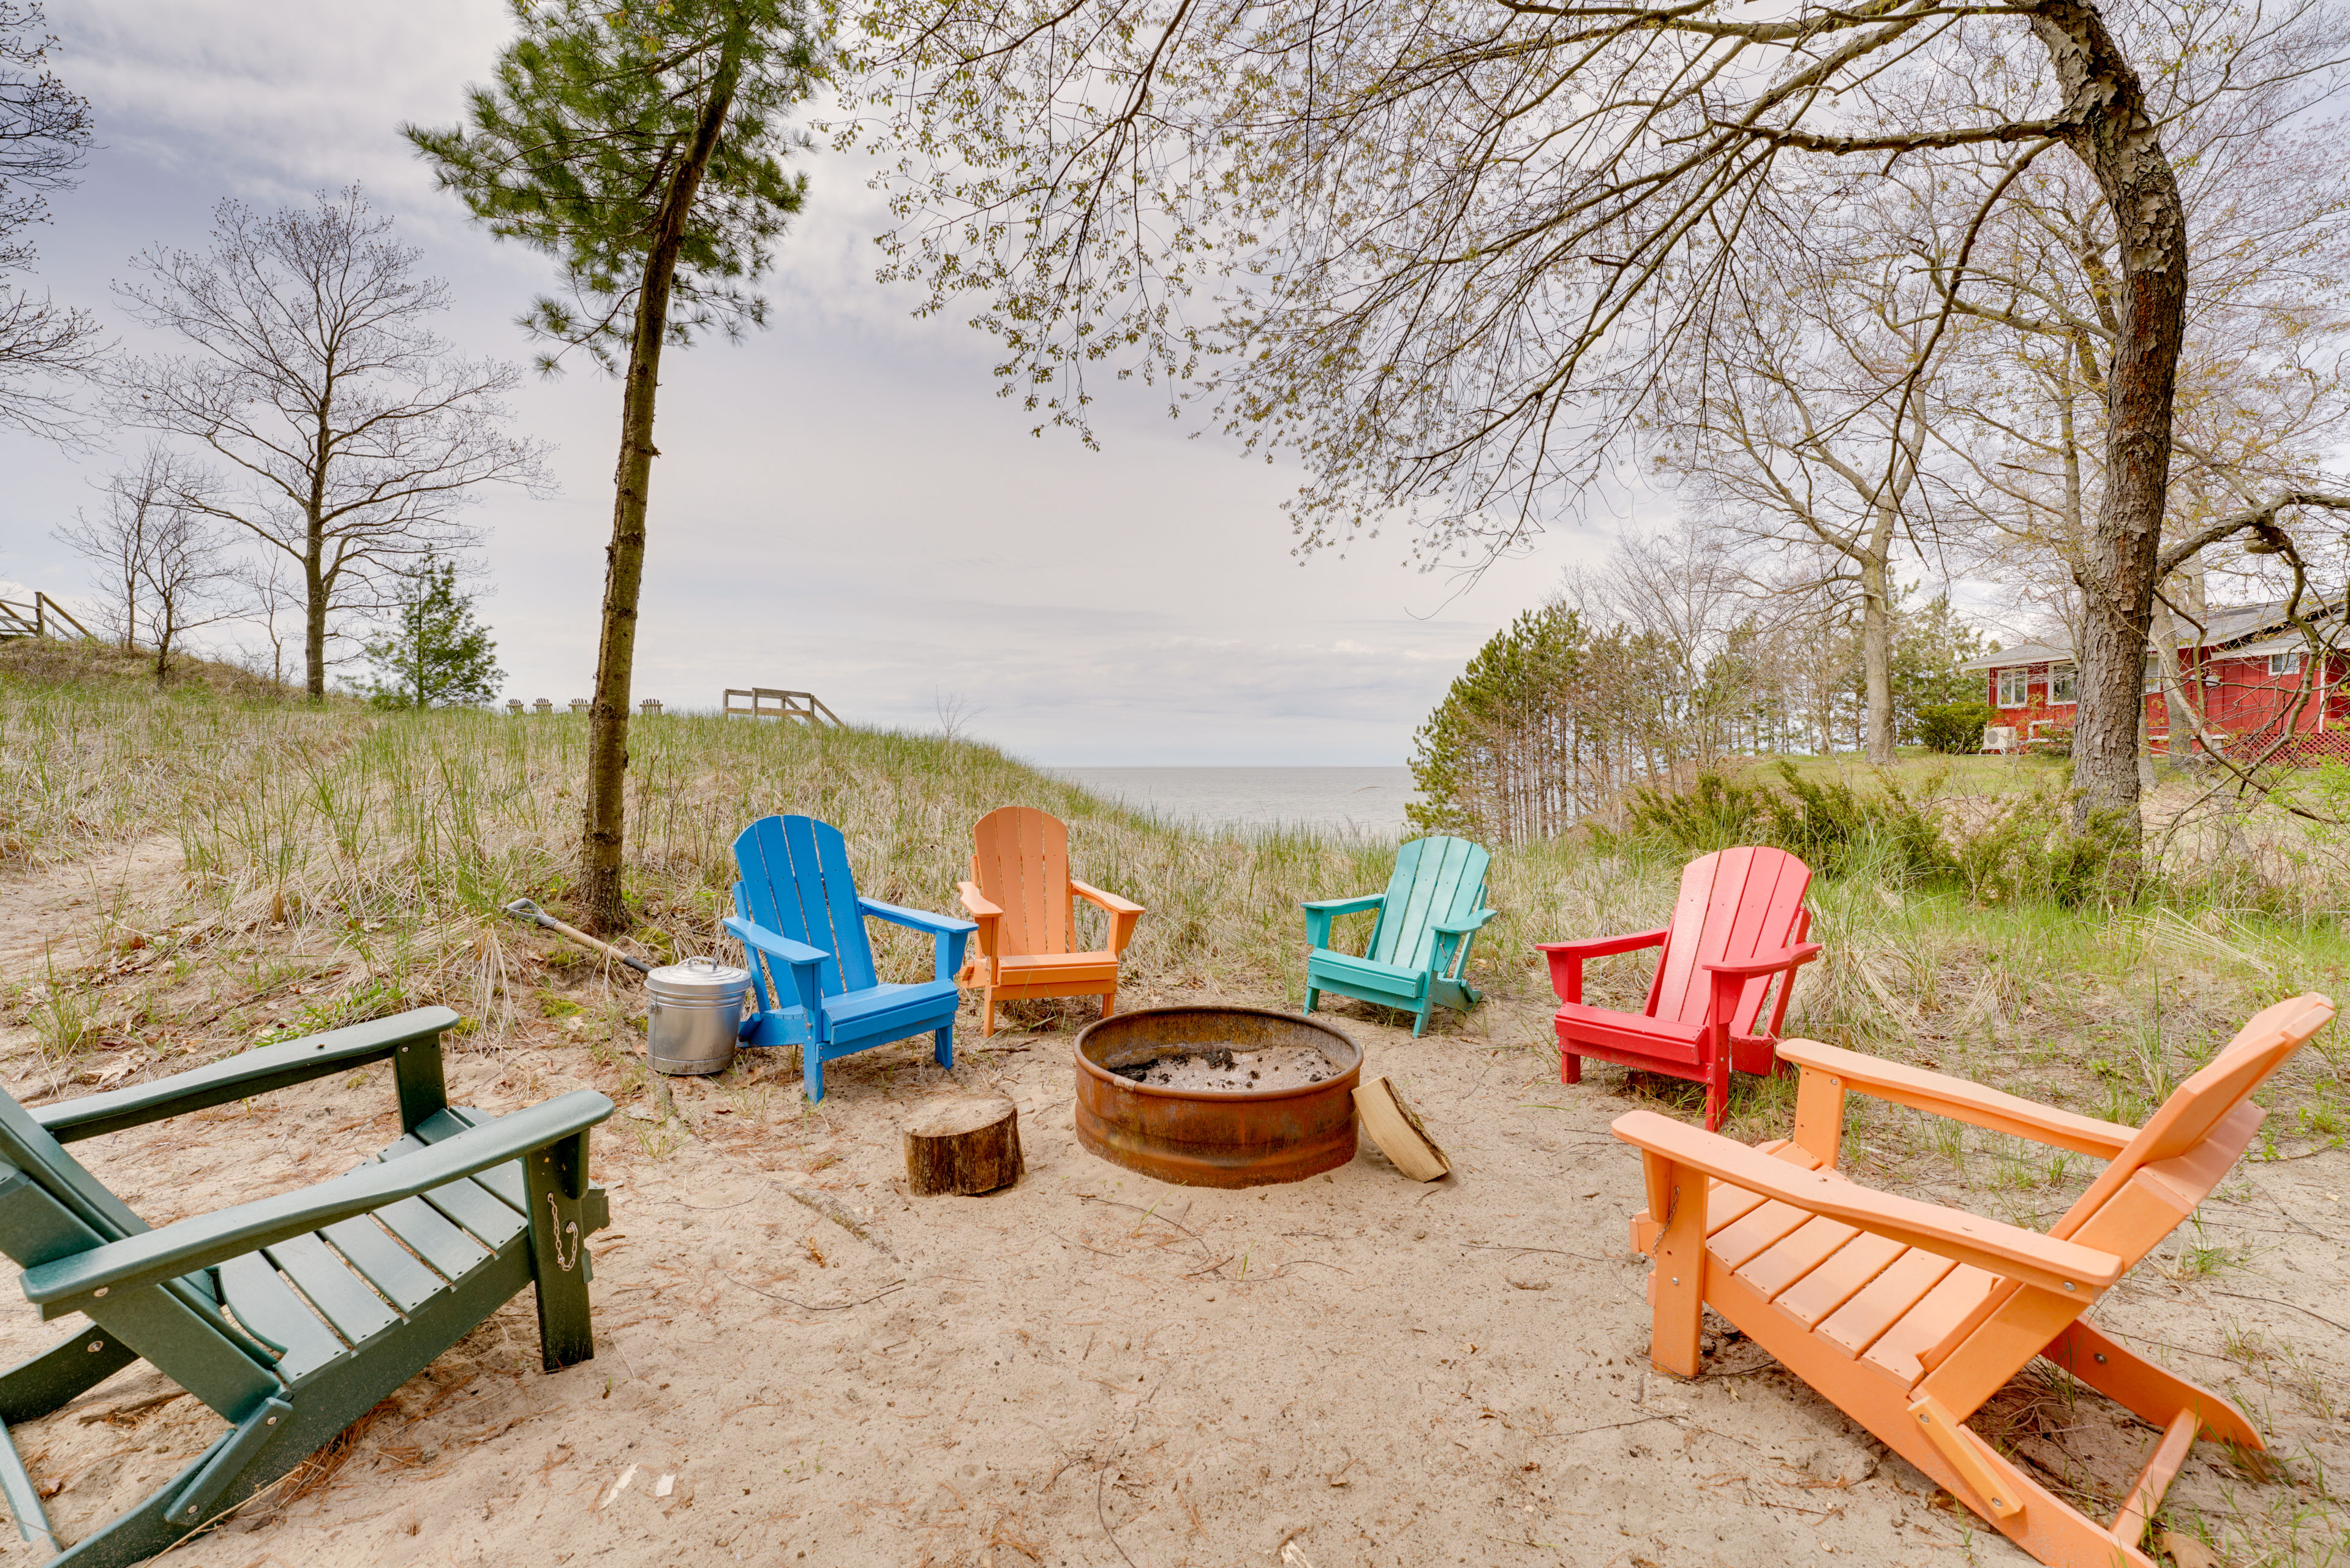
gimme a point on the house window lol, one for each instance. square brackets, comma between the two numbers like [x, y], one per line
[2284, 664]
[2063, 683]
[2015, 688]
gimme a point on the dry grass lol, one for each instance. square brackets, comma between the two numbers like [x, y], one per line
[341, 862]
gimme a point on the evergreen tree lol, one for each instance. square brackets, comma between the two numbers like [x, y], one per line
[641, 144]
[436, 655]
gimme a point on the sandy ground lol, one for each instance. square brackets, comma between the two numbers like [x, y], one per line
[1095, 1368]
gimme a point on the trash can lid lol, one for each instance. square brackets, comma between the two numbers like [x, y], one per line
[699, 976]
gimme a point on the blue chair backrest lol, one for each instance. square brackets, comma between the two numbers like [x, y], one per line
[796, 883]
[1436, 881]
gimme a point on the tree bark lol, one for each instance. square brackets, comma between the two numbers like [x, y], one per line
[603, 831]
[2118, 144]
[969, 1146]
[1876, 655]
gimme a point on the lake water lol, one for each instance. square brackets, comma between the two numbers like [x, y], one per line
[1370, 801]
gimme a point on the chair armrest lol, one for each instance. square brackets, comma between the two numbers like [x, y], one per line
[1566, 958]
[1475, 922]
[242, 1076]
[1764, 963]
[937, 925]
[1321, 912]
[1605, 947]
[987, 913]
[1959, 1100]
[2009, 1251]
[210, 1238]
[1110, 903]
[951, 933]
[1345, 906]
[1124, 913]
[775, 946]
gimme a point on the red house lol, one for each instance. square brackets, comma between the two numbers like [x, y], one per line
[2258, 690]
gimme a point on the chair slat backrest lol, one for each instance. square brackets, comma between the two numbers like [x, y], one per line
[33, 1149]
[796, 883]
[1733, 904]
[2206, 1100]
[1021, 861]
[1436, 881]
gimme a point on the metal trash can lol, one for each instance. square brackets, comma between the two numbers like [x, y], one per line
[695, 1011]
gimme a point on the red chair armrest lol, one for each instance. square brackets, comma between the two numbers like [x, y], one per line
[1607, 947]
[1566, 958]
[1765, 963]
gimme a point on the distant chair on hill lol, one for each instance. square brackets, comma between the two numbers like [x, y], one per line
[1418, 956]
[1023, 897]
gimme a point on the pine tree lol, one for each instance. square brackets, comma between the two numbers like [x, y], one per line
[436, 655]
[641, 144]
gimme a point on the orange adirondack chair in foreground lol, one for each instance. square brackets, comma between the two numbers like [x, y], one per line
[1909, 1315]
[1020, 892]
[1740, 923]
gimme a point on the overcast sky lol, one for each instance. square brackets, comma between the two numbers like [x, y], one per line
[842, 504]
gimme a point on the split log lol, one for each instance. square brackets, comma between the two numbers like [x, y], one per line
[966, 1146]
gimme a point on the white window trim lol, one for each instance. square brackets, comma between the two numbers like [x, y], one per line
[2284, 663]
[2023, 680]
[2056, 702]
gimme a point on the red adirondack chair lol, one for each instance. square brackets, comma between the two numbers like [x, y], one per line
[1740, 923]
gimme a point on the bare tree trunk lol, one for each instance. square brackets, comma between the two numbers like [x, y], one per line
[603, 832]
[314, 615]
[2120, 146]
[1876, 657]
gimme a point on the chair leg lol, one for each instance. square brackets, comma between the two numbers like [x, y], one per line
[943, 1046]
[812, 1071]
[554, 1178]
[2139, 1386]
[1717, 1091]
[1677, 1282]
[1109, 1002]
[1570, 1067]
[1419, 1020]
[987, 1016]
[1313, 997]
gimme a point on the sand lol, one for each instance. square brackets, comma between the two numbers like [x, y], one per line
[1095, 1368]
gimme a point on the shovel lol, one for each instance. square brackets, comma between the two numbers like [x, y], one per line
[530, 914]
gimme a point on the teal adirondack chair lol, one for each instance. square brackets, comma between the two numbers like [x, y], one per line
[399, 1259]
[1419, 952]
[800, 918]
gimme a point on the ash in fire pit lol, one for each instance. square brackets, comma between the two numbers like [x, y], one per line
[1226, 1067]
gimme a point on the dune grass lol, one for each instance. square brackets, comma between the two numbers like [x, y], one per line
[342, 862]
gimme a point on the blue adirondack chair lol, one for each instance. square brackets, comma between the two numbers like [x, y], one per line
[799, 917]
[1419, 952]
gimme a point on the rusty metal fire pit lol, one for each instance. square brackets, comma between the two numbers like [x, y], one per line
[1213, 1136]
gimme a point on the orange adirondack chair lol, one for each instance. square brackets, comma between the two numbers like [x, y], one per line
[1021, 894]
[1740, 922]
[1909, 1315]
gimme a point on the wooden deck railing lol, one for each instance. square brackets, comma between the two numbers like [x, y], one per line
[766, 702]
[32, 619]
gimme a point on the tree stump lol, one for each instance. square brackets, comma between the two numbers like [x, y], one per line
[966, 1146]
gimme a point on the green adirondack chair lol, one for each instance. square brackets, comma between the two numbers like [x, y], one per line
[1419, 952]
[399, 1259]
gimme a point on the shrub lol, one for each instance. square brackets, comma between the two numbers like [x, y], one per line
[2055, 741]
[1714, 814]
[1955, 728]
[2024, 849]
[2029, 849]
